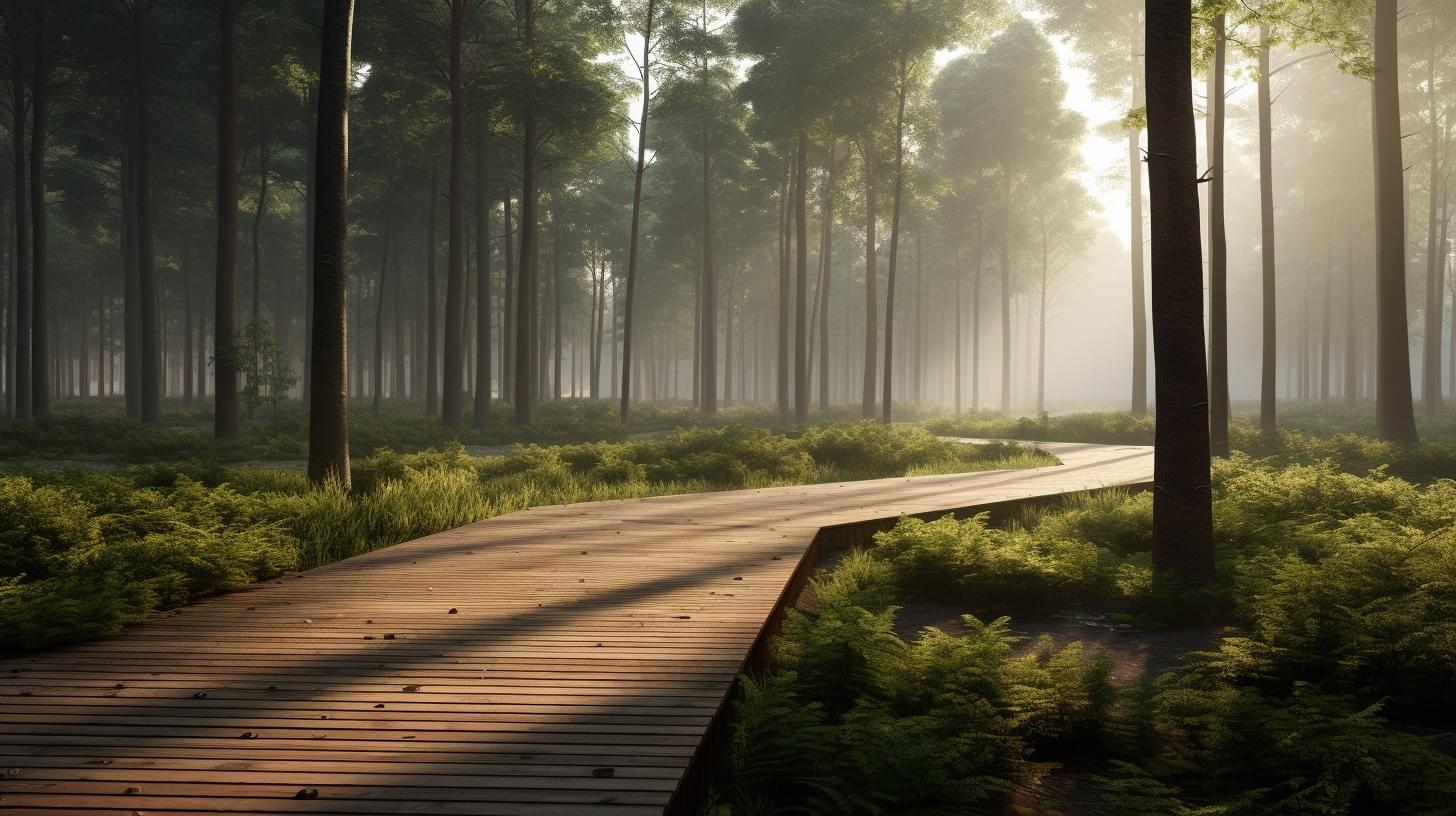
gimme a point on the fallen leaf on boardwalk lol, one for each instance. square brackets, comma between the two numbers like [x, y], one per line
[132, 790]
[247, 735]
[200, 695]
[306, 793]
[604, 773]
[411, 688]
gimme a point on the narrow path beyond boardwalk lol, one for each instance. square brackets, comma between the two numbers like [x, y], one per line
[561, 660]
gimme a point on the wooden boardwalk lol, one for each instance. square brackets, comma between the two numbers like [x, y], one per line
[562, 660]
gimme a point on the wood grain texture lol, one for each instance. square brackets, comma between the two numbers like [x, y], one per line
[593, 649]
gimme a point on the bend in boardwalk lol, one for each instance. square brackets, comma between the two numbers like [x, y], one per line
[562, 660]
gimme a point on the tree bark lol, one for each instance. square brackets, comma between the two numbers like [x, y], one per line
[525, 369]
[328, 427]
[24, 310]
[1218, 409]
[826, 265]
[431, 381]
[508, 303]
[146, 269]
[1394, 411]
[709, 367]
[40, 304]
[481, 407]
[1139, 295]
[872, 319]
[632, 243]
[225, 308]
[801, 281]
[1005, 257]
[451, 410]
[1431, 386]
[1269, 366]
[1182, 497]
[887, 395]
[785, 360]
[378, 364]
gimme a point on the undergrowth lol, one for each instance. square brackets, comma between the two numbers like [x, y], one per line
[82, 552]
[1338, 591]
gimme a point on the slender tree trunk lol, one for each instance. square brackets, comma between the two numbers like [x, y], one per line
[1041, 327]
[1394, 412]
[1431, 387]
[39, 101]
[378, 366]
[1269, 374]
[1324, 376]
[187, 350]
[1139, 297]
[979, 259]
[146, 270]
[872, 319]
[24, 308]
[225, 316]
[482, 272]
[785, 247]
[432, 297]
[887, 397]
[1006, 298]
[959, 310]
[709, 367]
[452, 411]
[1218, 409]
[1352, 332]
[826, 265]
[508, 303]
[632, 248]
[1182, 498]
[328, 427]
[556, 348]
[525, 387]
[801, 278]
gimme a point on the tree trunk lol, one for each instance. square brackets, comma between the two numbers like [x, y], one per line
[452, 411]
[431, 379]
[801, 281]
[1006, 297]
[978, 258]
[1394, 412]
[525, 387]
[1139, 297]
[1218, 408]
[328, 426]
[1431, 386]
[264, 159]
[378, 365]
[508, 303]
[784, 361]
[872, 319]
[225, 308]
[24, 310]
[1182, 498]
[1041, 328]
[632, 243]
[40, 301]
[146, 269]
[1269, 374]
[481, 414]
[826, 265]
[709, 367]
[887, 396]
[187, 350]
[556, 349]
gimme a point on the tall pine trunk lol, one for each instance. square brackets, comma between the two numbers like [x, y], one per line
[40, 301]
[887, 386]
[451, 410]
[801, 280]
[785, 360]
[225, 308]
[1431, 386]
[328, 425]
[1218, 409]
[1394, 411]
[872, 320]
[1139, 295]
[1269, 359]
[525, 386]
[24, 401]
[481, 414]
[431, 379]
[151, 362]
[378, 363]
[633, 237]
[1182, 499]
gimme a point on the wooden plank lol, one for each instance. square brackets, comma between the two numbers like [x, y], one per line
[583, 638]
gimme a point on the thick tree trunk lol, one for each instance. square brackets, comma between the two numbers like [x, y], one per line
[887, 386]
[40, 303]
[328, 427]
[1182, 497]
[1394, 412]
[451, 410]
[431, 381]
[481, 415]
[1269, 367]
[225, 308]
[801, 281]
[24, 309]
[1218, 408]
[151, 363]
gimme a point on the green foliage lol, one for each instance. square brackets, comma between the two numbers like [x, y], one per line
[267, 372]
[160, 535]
